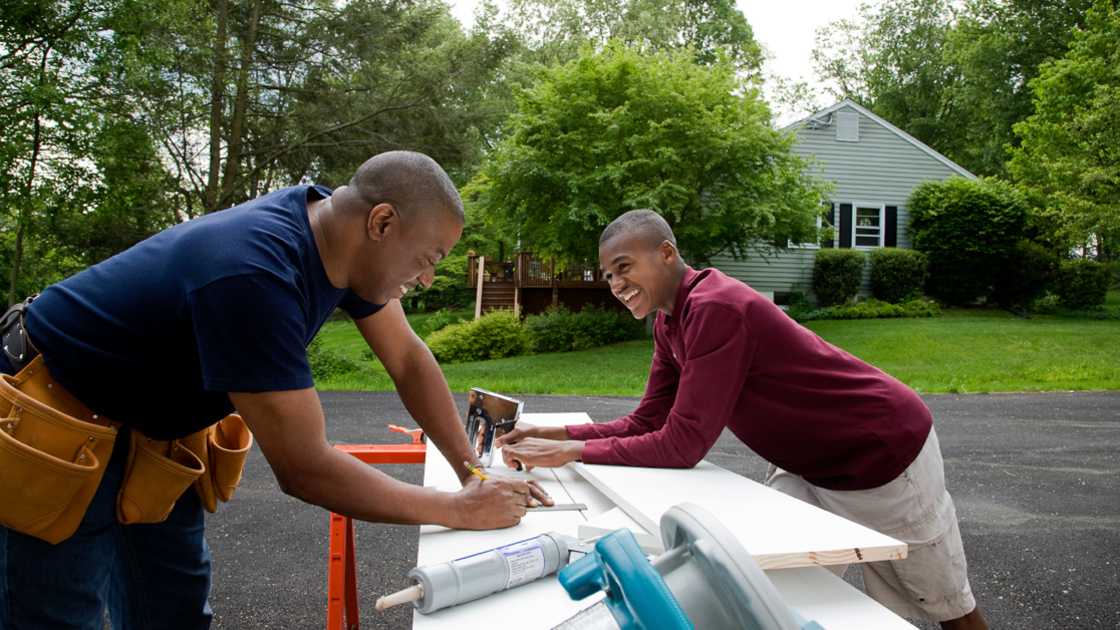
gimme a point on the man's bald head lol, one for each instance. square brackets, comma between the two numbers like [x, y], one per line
[650, 226]
[411, 182]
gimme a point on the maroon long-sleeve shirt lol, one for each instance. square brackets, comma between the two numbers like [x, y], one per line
[728, 357]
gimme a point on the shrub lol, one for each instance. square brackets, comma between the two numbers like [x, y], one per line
[326, 364]
[967, 228]
[598, 326]
[1050, 304]
[800, 309]
[560, 330]
[873, 309]
[441, 319]
[1025, 276]
[898, 275]
[496, 335]
[836, 275]
[552, 330]
[1082, 283]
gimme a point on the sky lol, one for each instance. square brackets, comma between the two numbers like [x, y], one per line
[787, 28]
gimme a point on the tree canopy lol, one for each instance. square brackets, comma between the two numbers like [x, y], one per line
[617, 130]
[954, 75]
[121, 117]
[556, 30]
[1070, 153]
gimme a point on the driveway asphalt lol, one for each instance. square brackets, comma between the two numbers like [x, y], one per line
[1035, 477]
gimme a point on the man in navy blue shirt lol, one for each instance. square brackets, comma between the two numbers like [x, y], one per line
[214, 315]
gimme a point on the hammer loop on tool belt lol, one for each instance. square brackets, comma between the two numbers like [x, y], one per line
[54, 450]
[17, 346]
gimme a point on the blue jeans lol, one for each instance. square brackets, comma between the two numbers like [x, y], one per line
[146, 576]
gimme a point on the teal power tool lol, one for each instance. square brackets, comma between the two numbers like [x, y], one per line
[705, 580]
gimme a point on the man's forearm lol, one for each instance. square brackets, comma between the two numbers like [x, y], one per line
[345, 486]
[425, 395]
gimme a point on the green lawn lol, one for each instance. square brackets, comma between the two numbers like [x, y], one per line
[965, 351]
[975, 350]
[1112, 300]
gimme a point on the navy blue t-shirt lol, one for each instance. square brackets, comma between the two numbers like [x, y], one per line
[156, 336]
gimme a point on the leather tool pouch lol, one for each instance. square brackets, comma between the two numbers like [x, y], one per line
[158, 472]
[225, 446]
[53, 453]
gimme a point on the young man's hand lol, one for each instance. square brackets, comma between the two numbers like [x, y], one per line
[547, 453]
[525, 430]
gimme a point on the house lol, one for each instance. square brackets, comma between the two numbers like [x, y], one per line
[875, 166]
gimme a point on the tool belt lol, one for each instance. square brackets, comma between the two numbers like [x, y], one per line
[54, 450]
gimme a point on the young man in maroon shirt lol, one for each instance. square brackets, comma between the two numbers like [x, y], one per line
[838, 432]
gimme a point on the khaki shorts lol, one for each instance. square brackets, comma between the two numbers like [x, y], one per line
[932, 582]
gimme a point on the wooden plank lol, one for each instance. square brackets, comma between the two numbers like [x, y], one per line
[778, 530]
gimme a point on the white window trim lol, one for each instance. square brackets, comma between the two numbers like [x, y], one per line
[882, 224]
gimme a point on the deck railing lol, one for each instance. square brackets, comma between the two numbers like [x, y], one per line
[526, 269]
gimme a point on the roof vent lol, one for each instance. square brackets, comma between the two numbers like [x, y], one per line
[847, 126]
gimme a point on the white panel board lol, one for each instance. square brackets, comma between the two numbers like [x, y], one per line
[543, 604]
[778, 531]
[822, 597]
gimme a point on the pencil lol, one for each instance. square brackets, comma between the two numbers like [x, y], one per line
[476, 471]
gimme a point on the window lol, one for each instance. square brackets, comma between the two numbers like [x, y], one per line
[868, 226]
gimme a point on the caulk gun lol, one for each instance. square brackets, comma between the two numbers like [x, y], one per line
[464, 580]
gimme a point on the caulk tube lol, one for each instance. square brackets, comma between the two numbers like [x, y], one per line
[482, 574]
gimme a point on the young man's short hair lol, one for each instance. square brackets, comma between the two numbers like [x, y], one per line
[650, 225]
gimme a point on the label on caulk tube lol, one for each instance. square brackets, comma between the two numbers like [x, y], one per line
[525, 561]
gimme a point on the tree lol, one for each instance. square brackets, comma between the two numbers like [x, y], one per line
[955, 75]
[1070, 155]
[260, 94]
[969, 229]
[893, 62]
[46, 114]
[999, 47]
[616, 130]
[558, 29]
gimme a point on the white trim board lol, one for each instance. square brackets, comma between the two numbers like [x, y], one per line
[779, 531]
[833, 603]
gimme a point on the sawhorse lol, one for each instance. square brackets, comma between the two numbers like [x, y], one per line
[342, 573]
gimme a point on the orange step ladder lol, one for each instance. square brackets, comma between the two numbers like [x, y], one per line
[342, 572]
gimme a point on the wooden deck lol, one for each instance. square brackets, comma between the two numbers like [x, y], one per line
[504, 283]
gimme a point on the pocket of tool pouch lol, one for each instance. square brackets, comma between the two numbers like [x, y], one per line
[45, 460]
[229, 446]
[38, 487]
[157, 474]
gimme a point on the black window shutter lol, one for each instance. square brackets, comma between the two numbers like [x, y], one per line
[830, 220]
[845, 225]
[890, 235]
